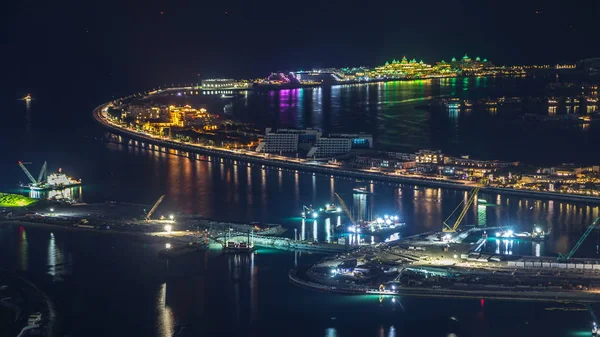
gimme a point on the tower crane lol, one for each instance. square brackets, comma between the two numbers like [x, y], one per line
[565, 258]
[465, 208]
[346, 209]
[149, 214]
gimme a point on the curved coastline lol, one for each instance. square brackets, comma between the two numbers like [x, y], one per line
[36, 300]
[540, 295]
[307, 167]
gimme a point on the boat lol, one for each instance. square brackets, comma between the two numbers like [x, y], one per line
[361, 190]
[384, 224]
[452, 103]
[539, 234]
[536, 235]
[238, 247]
[490, 103]
[483, 202]
[332, 208]
[509, 100]
[377, 226]
[54, 181]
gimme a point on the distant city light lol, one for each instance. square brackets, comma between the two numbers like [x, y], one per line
[168, 228]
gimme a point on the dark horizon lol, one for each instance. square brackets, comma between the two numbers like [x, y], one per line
[142, 44]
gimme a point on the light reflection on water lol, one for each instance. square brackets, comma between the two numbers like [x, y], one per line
[23, 249]
[55, 257]
[72, 193]
[263, 194]
[166, 324]
[242, 294]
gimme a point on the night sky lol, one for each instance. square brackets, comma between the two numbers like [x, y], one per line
[137, 44]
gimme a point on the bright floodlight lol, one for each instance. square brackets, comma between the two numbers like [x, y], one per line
[168, 245]
[386, 216]
[339, 209]
[509, 232]
[168, 228]
[171, 217]
[537, 229]
[388, 222]
[498, 234]
[379, 220]
[447, 236]
[51, 209]
[315, 215]
[455, 256]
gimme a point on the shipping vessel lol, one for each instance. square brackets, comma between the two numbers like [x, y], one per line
[53, 181]
[379, 225]
[238, 247]
[361, 190]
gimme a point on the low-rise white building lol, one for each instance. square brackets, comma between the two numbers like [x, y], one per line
[330, 147]
[278, 143]
[218, 83]
[359, 140]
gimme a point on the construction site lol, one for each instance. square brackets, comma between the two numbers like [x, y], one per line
[175, 229]
[453, 263]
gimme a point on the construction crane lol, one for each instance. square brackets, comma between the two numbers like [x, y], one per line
[33, 181]
[149, 214]
[346, 209]
[42, 174]
[465, 208]
[565, 258]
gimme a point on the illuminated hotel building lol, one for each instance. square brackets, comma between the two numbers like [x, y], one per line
[405, 68]
[218, 83]
[466, 64]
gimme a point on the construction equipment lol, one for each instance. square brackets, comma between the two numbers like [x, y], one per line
[465, 208]
[346, 209]
[565, 258]
[42, 174]
[149, 214]
[31, 178]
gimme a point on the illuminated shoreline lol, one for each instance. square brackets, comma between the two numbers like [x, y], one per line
[160, 143]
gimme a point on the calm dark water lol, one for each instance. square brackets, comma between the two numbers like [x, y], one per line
[113, 285]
